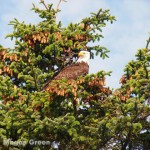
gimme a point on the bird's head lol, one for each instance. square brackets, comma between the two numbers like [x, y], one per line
[84, 56]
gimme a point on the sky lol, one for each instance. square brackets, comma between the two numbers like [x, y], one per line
[123, 38]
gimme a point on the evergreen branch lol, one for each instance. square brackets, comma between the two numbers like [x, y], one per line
[148, 41]
[35, 79]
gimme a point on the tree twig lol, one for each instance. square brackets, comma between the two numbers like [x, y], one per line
[57, 8]
[148, 41]
[42, 1]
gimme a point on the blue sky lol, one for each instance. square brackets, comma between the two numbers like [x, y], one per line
[122, 38]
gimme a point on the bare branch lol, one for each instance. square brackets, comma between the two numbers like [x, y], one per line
[42, 1]
[57, 8]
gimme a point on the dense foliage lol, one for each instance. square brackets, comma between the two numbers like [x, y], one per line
[76, 114]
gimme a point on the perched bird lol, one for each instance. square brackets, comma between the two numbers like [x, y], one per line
[80, 68]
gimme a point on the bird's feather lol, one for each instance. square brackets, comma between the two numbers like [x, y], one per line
[70, 72]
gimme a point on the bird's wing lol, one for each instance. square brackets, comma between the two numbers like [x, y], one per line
[70, 72]
[73, 71]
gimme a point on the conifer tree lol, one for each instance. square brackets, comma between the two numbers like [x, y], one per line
[77, 114]
[133, 125]
[40, 52]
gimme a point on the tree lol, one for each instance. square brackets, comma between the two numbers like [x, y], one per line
[77, 114]
[128, 121]
[134, 94]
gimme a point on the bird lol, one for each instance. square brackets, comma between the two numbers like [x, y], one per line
[72, 72]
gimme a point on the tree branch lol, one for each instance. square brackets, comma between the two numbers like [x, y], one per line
[42, 1]
[57, 8]
[148, 41]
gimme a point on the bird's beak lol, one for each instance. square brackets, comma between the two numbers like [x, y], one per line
[80, 54]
